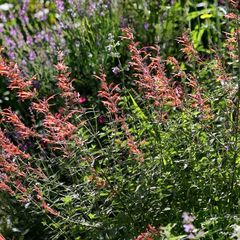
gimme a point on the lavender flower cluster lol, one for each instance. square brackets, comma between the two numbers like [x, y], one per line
[39, 35]
[191, 231]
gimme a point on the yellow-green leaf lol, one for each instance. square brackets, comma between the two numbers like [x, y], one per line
[206, 16]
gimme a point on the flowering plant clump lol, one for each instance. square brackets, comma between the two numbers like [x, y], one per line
[156, 146]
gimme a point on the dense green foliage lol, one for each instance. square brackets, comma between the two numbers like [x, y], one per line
[123, 120]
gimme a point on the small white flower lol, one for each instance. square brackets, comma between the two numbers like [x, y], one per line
[6, 6]
[109, 48]
[41, 13]
[116, 70]
[76, 25]
[236, 233]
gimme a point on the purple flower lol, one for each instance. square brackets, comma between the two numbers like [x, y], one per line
[71, 2]
[25, 19]
[227, 148]
[3, 18]
[38, 37]
[24, 147]
[109, 2]
[188, 228]
[52, 45]
[20, 38]
[187, 224]
[191, 236]
[25, 3]
[23, 12]
[11, 16]
[31, 55]
[47, 36]
[91, 9]
[188, 218]
[146, 25]
[42, 15]
[24, 63]
[59, 31]
[221, 2]
[79, 8]
[9, 42]
[59, 5]
[29, 40]
[11, 54]
[13, 135]
[13, 32]
[1, 28]
[116, 70]
[63, 25]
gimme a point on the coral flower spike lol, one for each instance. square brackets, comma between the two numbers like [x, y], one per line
[1, 237]
[3, 69]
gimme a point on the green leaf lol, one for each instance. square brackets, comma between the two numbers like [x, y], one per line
[195, 14]
[67, 199]
[138, 110]
[206, 16]
[91, 216]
